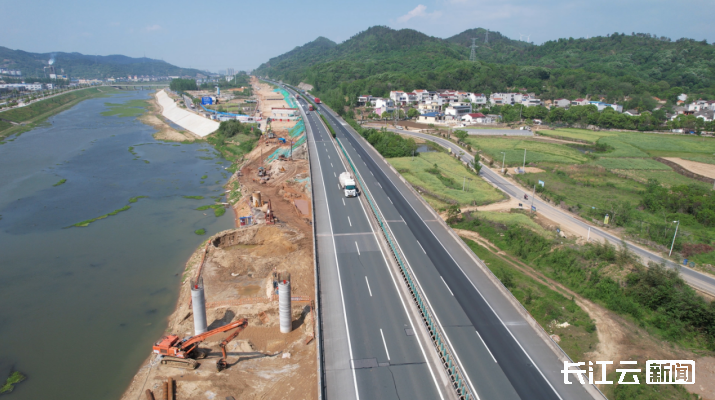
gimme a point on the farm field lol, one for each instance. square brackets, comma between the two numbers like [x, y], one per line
[578, 134]
[536, 152]
[444, 182]
[631, 163]
[667, 178]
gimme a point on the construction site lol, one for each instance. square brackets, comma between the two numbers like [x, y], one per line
[244, 324]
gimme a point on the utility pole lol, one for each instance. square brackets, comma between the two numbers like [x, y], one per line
[502, 162]
[524, 165]
[464, 182]
[533, 194]
[676, 234]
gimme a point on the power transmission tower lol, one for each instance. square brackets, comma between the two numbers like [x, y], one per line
[473, 54]
[486, 38]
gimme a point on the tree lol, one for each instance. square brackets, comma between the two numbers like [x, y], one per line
[412, 113]
[461, 134]
[453, 213]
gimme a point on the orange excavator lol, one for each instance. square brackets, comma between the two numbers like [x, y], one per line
[182, 353]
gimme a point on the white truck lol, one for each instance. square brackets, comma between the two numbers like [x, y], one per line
[347, 183]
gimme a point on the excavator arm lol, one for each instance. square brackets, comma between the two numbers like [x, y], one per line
[188, 344]
[221, 364]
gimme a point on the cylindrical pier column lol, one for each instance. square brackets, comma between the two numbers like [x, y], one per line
[284, 304]
[198, 302]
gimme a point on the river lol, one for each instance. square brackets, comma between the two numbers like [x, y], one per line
[80, 307]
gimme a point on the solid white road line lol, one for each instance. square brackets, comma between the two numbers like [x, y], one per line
[418, 242]
[368, 286]
[485, 345]
[358, 249]
[385, 343]
[351, 224]
[445, 284]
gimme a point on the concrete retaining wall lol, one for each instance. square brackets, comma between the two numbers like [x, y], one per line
[187, 120]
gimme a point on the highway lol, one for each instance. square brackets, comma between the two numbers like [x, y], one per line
[369, 344]
[503, 355]
[696, 279]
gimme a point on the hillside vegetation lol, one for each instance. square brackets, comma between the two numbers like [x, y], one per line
[79, 65]
[381, 59]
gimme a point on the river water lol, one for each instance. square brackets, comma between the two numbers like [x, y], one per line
[80, 307]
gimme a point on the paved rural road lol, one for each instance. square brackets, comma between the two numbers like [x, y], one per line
[502, 354]
[696, 279]
[369, 349]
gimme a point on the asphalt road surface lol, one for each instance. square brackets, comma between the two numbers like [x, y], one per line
[370, 350]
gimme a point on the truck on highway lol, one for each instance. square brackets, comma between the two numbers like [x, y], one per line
[347, 183]
[310, 108]
[317, 100]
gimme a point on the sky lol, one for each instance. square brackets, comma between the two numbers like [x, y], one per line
[242, 34]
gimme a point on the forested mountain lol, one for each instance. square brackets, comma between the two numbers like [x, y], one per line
[381, 59]
[87, 66]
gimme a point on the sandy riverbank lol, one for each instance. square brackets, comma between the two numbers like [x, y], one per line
[238, 275]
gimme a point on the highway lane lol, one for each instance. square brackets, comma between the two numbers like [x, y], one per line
[696, 279]
[368, 346]
[504, 369]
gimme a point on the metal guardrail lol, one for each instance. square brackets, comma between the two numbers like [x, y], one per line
[446, 354]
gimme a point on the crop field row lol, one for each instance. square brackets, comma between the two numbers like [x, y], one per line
[631, 163]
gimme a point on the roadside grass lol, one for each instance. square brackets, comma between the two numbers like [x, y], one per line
[61, 181]
[131, 108]
[585, 135]
[583, 186]
[514, 218]
[631, 163]
[642, 391]
[535, 151]
[444, 183]
[655, 298]
[549, 307]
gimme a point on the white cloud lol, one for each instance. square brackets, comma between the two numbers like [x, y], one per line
[419, 11]
[153, 28]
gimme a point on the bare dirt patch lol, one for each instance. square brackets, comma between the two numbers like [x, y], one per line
[706, 170]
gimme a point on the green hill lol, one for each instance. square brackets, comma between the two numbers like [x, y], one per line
[87, 66]
[381, 59]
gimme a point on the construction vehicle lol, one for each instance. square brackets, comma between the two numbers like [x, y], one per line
[182, 353]
[282, 140]
[261, 171]
[347, 183]
[317, 100]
